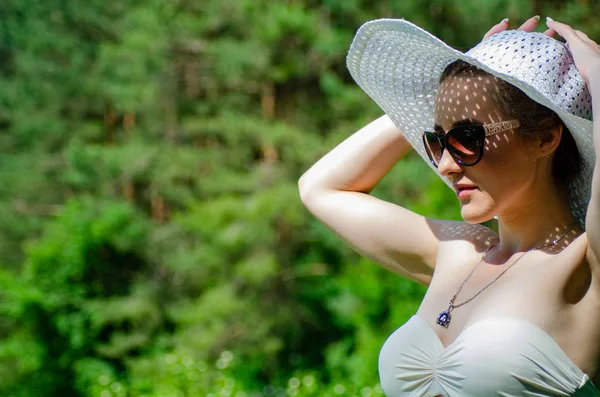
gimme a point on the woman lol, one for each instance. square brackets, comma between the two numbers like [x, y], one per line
[508, 126]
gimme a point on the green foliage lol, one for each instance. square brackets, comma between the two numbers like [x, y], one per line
[81, 298]
[153, 242]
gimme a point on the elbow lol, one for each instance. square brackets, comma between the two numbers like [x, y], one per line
[304, 189]
[309, 190]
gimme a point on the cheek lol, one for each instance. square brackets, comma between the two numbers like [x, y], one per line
[497, 152]
[505, 166]
[506, 150]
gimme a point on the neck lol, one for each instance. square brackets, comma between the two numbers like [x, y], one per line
[535, 223]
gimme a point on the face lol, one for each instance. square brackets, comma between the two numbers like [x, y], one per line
[503, 180]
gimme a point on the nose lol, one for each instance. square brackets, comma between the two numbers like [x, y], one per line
[448, 165]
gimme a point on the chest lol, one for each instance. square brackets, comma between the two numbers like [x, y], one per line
[554, 293]
[491, 355]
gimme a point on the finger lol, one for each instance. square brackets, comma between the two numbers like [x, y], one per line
[530, 24]
[550, 33]
[582, 35]
[497, 28]
[562, 29]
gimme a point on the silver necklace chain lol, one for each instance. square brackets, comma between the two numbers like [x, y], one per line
[445, 317]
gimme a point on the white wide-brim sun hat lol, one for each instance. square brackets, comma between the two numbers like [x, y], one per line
[399, 65]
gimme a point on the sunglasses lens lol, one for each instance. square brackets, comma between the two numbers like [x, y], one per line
[466, 143]
[433, 147]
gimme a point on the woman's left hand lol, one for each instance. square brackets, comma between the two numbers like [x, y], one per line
[585, 51]
[527, 26]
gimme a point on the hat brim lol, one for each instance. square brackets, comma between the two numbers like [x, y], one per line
[398, 65]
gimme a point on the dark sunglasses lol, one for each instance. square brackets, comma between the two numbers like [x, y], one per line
[464, 143]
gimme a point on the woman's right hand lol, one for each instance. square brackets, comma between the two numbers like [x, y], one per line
[528, 26]
[585, 51]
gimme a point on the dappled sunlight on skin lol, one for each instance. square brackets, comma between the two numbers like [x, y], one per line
[563, 243]
[469, 99]
[481, 235]
[483, 238]
[466, 98]
[497, 139]
[458, 104]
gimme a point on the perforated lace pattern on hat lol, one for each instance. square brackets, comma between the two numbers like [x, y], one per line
[399, 65]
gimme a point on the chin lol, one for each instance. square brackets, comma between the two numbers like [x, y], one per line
[474, 212]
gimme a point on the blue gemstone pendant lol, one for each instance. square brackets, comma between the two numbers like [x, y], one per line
[444, 319]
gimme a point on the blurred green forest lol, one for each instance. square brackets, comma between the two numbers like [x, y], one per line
[152, 239]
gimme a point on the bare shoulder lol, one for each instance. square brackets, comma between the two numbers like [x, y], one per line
[460, 240]
[464, 233]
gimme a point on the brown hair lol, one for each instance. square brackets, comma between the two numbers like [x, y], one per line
[535, 119]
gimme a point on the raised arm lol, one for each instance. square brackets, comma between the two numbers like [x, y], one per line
[586, 54]
[336, 188]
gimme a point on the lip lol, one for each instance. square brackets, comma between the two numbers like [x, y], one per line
[463, 191]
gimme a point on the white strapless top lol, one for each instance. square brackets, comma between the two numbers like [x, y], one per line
[499, 356]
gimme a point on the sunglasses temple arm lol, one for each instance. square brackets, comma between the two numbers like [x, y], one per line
[502, 126]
